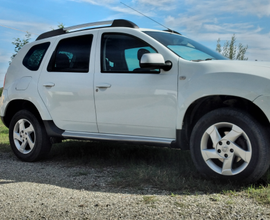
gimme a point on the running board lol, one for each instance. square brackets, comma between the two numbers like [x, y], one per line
[115, 137]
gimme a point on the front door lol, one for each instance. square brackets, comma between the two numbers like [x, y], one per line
[131, 100]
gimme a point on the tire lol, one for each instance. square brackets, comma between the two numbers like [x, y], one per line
[228, 144]
[28, 138]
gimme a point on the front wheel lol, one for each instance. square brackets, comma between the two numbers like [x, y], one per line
[230, 144]
[28, 138]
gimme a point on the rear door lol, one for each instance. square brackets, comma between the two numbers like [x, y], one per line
[66, 84]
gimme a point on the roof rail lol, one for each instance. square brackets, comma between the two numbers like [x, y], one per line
[114, 23]
[100, 23]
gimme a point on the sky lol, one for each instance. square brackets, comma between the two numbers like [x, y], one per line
[204, 21]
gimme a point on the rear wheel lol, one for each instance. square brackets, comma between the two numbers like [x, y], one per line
[230, 144]
[28, 138]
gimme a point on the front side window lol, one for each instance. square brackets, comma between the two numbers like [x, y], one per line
[184, 47]
[33, 58]
[71, 55]
[121, 53]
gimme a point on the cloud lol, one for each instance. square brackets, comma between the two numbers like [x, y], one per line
[4, 63]
[31, 27]
[191, 23]
[104, 3]
[162, 5]
[229, 27]
[5, 57]
[146, 7]
[258, 8]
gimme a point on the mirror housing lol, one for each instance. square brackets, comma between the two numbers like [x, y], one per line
[155, 61]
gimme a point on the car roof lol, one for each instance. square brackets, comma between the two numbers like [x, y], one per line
[93, 25]
[101, 24]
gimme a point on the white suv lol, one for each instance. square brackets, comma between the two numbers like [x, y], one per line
[122, 83]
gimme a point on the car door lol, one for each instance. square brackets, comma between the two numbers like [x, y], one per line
[66, 84]
[131, 100]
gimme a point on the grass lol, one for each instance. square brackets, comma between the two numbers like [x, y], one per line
[149, 199]
[4, 141]
[140, 167]
[261, 193]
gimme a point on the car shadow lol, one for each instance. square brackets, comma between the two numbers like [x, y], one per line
[114, 168]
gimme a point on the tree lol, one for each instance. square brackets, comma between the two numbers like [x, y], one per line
[20, 43]
[231, 51]
[60, 25]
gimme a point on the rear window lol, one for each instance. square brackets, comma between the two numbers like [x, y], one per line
[34, 57]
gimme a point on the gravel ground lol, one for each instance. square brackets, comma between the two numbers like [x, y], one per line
[57, 190]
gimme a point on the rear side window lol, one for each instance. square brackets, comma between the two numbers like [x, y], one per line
[33, 58]
[71, 55]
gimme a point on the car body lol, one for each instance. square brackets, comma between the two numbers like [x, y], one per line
[123, 83]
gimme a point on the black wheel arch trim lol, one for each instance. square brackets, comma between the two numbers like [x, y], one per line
[181, 140]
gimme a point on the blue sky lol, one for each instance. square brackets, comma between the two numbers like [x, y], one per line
[202, 20]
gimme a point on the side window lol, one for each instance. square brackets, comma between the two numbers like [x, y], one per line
[33, 58]
[121, 53]
[71, 55]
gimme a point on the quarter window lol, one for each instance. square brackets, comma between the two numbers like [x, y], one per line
[121, 53]
[33, 58]
[72, 55]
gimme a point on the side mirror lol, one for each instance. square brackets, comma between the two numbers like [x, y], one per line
[155, 61]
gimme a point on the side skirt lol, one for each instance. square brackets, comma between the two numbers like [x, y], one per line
[115, 137]
[54, 131]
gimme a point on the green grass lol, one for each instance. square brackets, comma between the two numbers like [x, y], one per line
[140, 167]
[149, 199]
[262, 195]
[4, 141]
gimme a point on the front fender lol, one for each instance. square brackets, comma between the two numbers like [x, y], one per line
[197, 86]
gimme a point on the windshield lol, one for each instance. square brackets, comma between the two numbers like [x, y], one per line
[185, 47]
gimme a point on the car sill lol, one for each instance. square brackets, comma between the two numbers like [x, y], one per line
[115, 137]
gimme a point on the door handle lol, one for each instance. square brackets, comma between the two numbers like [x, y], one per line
[104, 86]
[49, 85]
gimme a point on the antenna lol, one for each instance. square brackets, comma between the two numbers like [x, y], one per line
[148, 18]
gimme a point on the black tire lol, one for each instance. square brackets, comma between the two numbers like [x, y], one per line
[228, 144]
[28, 138]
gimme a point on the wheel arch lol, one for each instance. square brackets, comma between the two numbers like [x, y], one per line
[203, 105]
[17, 105]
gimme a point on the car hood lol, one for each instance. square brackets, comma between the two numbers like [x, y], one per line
[261, 69]
[248, 79]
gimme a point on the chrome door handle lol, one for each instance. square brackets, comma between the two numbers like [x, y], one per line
[104, 86]
[49, 85]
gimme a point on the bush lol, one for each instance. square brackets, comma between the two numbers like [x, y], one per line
[1, 90]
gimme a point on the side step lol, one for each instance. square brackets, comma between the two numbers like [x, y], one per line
[54, 131]
[115, 137]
